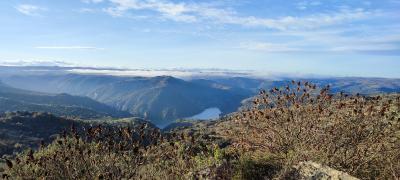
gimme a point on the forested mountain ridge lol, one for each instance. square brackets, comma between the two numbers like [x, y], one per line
[161, 99]
[13, 99]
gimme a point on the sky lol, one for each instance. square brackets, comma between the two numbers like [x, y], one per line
[325, 37]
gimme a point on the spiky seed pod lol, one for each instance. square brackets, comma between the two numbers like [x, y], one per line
[73, 128]
[9, 164]
[64, 134]
[320, 110]
[30, 155]
[5, 176]
[161, 139]
[192, 139]
[76, 136]
[100, 177]
[182, 136]
[329, 97]
[41, 145]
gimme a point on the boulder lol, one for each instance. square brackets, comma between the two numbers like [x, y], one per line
[314, 171]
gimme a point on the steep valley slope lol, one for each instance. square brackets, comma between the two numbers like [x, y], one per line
[13, 99]
[161, 99]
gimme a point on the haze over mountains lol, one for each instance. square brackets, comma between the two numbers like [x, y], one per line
[160, 99]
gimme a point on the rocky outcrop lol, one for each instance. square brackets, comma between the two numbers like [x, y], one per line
[314, 171]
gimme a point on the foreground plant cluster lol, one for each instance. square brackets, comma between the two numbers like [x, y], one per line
[284, 127]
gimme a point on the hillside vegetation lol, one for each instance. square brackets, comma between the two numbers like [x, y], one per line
[284, 127]
[22, 130]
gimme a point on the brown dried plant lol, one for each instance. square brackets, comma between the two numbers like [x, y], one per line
[356, 134]
[119, 153]
[353, 133]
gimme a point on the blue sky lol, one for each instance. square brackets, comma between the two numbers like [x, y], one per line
[327, 37]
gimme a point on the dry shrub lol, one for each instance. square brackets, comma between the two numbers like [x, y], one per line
[121, 153]
[356, 134]
[352, 133]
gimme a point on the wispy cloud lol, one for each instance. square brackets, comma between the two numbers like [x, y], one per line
[169, 10]
[367, 48]
[303, 5]
[29, 10]
[87, 10]
[383, 41]
[268, 47]
[37, 63]
[196, 12]
[70, 47]
[92, 1]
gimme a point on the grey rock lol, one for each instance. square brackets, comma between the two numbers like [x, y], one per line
[314, 171]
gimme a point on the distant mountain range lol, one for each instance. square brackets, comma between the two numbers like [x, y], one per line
[13, 99]
[161, 99]
[164, 99]
[345, 84]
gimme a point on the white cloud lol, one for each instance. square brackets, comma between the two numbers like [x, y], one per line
[267, 47]
[379, 39]
[29, 10]
[307, 22]
[303, 5]
[366, 48]
[193, 12]
[36, 63]
[70, 47]
[395, 1]
[92, 1]
[168, 10]
[307, 31]
[87, 10]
